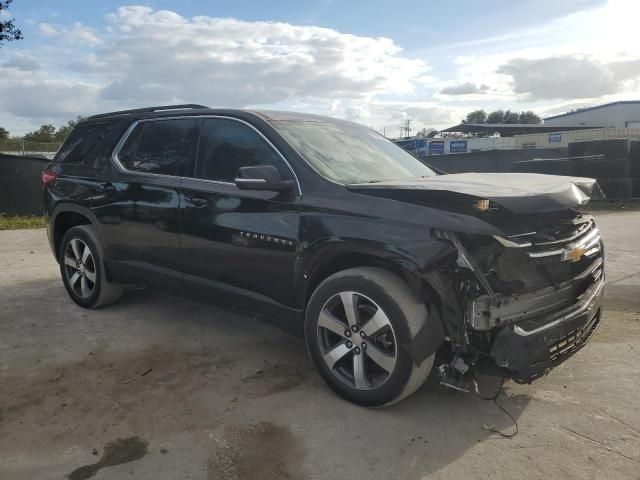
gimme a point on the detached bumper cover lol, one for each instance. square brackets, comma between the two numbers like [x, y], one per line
[529, 350]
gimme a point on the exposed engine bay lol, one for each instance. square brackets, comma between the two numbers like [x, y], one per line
[521, 288]
[520, 304]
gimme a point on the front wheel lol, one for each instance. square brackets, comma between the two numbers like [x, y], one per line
[82, 269]
[356, 324]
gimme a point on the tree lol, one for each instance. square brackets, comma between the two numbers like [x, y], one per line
[507, 116]
[426, 133]
[529, 117]
[46, 133]
[8, 31]
[497, 116]
[477, 116]
[510, 117]
[63, 132]
[4, 134]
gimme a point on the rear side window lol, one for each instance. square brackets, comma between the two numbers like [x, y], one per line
[81, 141]
[226, 145]
[164, 147]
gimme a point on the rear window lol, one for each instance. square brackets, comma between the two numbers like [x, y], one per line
[81, 141]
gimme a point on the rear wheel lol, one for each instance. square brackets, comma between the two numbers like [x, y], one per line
[82, 269]
[356, 324]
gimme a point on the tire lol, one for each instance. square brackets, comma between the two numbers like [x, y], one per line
[600, 167]
[550, 166]
[610, 148]
[83, 273]
[616, 188]
[370, 289]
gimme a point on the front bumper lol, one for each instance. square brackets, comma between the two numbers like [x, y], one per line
[529, 349]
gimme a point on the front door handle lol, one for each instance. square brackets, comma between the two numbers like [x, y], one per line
[198, 202]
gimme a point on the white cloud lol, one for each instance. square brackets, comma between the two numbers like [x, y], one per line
[391, 115]
[45, 100]
[77, 33]
[22, 62]
[569, 77]
[588, 55]
[161, 55]
[565, 77]
[563, 108]
[48, 29]
[147, 56]
[142, 56]
[466, 88]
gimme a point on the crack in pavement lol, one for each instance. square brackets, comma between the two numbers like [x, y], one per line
[593, 441]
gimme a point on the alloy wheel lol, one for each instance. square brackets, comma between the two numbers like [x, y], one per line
[357, 341]
[80, 268]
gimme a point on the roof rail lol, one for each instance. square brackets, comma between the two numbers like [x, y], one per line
[160, 108]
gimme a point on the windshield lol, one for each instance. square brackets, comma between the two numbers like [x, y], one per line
[350, 153]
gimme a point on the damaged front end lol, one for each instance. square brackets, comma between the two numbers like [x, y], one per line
[520, 304]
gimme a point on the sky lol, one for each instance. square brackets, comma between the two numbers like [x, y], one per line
[375, 62]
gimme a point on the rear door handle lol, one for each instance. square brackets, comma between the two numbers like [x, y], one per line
[196, 201]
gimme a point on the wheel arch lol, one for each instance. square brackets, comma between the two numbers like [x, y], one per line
[331, 263]
[64, 217]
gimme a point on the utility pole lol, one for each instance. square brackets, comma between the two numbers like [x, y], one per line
[407, 128]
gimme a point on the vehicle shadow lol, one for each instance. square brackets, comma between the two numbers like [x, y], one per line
[155, 365]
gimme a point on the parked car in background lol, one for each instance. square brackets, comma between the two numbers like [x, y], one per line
[327, 228]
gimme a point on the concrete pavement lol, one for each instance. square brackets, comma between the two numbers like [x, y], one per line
[160, 387]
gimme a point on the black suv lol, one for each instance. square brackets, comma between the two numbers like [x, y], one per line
[385, 265]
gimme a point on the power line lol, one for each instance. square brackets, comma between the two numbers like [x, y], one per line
[407, 128]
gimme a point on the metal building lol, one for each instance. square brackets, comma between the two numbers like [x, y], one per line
[624, 114]
[562, 139]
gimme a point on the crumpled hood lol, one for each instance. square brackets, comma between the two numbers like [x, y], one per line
[517, 192]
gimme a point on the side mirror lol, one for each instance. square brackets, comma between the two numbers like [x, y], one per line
[262, 177]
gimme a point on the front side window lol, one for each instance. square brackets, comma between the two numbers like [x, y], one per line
[227, 145]
[346, 152]
[164, 147]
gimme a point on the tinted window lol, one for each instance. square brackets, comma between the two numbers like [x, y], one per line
[81, 141]
[227, 145]
[163, 147]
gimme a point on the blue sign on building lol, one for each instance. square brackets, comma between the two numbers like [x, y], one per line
[555, 137]
[417, 146]
[420, 147]
[458, 146]
[436, 147]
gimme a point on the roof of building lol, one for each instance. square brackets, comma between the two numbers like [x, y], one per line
[622, 102]
[510, 129]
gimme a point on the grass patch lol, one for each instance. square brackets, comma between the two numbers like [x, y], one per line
[15, 222]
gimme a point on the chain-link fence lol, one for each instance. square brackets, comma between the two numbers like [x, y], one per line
[26, 148]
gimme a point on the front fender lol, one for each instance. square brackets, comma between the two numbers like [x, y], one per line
[407, 250]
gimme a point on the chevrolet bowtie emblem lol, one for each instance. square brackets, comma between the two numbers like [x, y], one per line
[574, 254]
